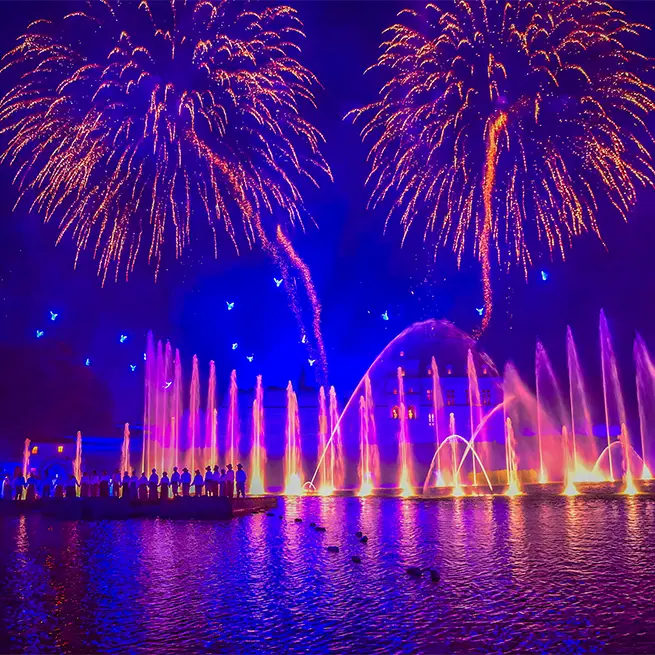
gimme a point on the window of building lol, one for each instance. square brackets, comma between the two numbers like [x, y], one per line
[429, 392]
[395, 413]
[60, 449]
[411, 413]
[431, 418]
[450, 396]
[485, 396]
[35, 450]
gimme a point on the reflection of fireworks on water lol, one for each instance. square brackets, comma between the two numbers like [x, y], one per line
[131, 122]
[501, 125]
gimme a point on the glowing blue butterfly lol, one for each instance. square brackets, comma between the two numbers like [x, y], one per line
[39, 334]
[250, 357]
[230, 305]
[385, 316]
[303, 339]
[133, 367]
[145, 357]
[53, 316]
[123, 338]
[235, 345]
[311, 362]
[167, 385]
[544, 275]
[479, 310]
[277, 282]
[87, 362]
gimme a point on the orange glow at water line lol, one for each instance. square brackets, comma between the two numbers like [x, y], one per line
[646, 474]
[306, 276]
[494, 129]
[121, 153]
[501, 128]
[630, 488]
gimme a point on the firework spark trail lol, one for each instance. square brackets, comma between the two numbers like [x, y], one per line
[500, 126]
[129, 119]
[306, 276]
[496, 126]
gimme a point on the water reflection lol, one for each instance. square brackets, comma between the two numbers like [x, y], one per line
[517, 574]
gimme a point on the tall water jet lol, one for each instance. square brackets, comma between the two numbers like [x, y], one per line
[365, 477]
[292, 453]
[335, 446]
[176, 411]
[327, 483]
[630, 488]
[149, 402]
[193, 456]
[211, 416]
[26, 458]
[258, 451]
[77, 462]
[646, 403]
[125, 449]
[583, 442]
[475, 412]
[405, 479]
[369, 460]
[612, 396]
[569, 466]
[437, 412]
[511, 463]
[457, 485]
[232, 436]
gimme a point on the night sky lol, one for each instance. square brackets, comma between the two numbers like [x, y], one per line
[359, 273]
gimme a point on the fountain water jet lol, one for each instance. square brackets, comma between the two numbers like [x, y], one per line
[125, 451]
[26, 458]
[293, 485]
[438, 411]
[645, 401]
[513, 487]
[194, 417]
[232, 436]
[569, 466]
[405, 480]
[258, 452]
[326, 487]
[211, 417]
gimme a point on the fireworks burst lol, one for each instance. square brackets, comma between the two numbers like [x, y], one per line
[130, 123]
[503, 124]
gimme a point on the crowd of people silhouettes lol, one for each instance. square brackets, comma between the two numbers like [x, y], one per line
[215, 482]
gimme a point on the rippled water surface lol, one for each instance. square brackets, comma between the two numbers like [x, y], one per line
[557, 575]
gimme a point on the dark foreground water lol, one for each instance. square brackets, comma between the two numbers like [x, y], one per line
[551, 575]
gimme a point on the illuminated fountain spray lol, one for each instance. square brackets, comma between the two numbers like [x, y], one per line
[232, 436]
[211, 417]
[569, 467]
[258, 452]
[194, 458]
[646, 403]
[26, 458]
[293, 475]
[613, 401]
[335, 447]
[538, 367]
[457, 485]
[368, 453]
[176, 411]
[125, 451]
[475, 411]
[405, 480]
[513, 487]
[583, 443]
[438, 410]
[148, 402]
[630, 488]
[327, 484]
